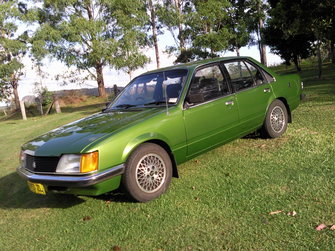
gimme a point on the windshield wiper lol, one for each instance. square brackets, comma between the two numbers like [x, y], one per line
[157, 103]
[125, 106]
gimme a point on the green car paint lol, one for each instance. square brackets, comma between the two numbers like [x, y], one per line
[183, 131]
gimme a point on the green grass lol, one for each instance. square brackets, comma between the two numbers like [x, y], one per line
[222, 199]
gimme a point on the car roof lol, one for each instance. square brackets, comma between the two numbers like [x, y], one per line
[194, 64]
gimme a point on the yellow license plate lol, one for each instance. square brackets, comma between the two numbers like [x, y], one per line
[36, 188]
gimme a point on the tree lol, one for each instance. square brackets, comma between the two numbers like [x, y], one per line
[89, 34]
[13, 47]
[210, 30]
[200, 28]
[303, 27]
[239, 22]
[175, 15]
[287, 31]
[256, 14]
[128, 57]
[152, 8]
[290, 48]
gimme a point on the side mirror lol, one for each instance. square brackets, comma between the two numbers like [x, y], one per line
[195, 98]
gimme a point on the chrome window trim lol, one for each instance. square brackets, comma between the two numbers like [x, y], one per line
[208, 101]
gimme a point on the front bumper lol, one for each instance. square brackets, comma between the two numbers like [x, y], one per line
[71, 180]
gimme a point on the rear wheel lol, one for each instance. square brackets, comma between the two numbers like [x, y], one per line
[148, 172]
[276, 119]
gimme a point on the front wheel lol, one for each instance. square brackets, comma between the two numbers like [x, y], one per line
[148, 172]
[276, 119]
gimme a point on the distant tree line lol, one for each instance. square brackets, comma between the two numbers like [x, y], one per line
[94, 34]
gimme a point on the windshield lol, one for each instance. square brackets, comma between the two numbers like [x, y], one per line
[152, 89]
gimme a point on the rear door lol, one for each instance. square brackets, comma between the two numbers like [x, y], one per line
[252, 91]
[210, 113]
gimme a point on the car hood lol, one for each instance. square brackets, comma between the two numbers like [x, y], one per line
[74, 137]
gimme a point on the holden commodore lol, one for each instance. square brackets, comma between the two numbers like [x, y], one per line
[161, 119]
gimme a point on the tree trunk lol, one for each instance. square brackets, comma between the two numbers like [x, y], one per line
[296, 62]
[16, 94]
[332, 50]
[178, 5]
[319, 60]
[238, 52]
[154, 31]
[130, 73]
[100, 80]
[262, 48]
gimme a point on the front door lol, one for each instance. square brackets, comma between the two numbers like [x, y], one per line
[211, 112]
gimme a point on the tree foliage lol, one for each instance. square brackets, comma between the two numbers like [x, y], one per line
[92, 34]
[240, 22]
[13, 47]
[200, 28]
[297, 28]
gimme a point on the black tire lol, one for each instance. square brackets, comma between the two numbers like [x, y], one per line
[148, 172]
[276, 119]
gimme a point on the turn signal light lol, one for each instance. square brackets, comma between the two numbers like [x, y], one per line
[89, 162]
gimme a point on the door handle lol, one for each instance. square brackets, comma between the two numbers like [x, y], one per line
[267, 90]
[230, 102]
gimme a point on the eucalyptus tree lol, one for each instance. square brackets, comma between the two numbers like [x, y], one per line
[239, 21]
[127, 57]
[200, 28]
[175, 16]
[256, 11]
[210, 26]
[13, 47]
[153, 6]
[90, 34]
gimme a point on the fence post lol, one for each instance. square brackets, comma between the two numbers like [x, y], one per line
[23, 110]
[57, 106]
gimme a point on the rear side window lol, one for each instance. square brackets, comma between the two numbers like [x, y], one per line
[207, 84]
[240, 75]
[269, 78]
[256, 74]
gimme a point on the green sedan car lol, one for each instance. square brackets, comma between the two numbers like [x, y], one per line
[161, 119]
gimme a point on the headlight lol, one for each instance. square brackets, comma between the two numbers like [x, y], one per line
[69, 163]
[302, 85]
[78, 163]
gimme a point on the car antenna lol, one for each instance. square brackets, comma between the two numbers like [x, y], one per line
[166, 97]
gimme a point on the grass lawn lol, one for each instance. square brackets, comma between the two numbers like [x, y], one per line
[222, 199]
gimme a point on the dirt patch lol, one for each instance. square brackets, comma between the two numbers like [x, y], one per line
[72, 97]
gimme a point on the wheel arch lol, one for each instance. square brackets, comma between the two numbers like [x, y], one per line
[155, 140]
[168, 150]
[282, 99]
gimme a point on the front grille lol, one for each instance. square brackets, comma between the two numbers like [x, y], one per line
[41, 164]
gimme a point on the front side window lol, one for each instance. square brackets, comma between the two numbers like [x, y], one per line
[239, 75]
[207, 84]
[152, 89]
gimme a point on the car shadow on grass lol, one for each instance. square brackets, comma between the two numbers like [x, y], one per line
[116, 196]
[14, 194]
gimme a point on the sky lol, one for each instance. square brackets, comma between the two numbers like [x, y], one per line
[53, 67]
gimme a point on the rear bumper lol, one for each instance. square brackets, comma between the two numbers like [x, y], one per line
[71, 180]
